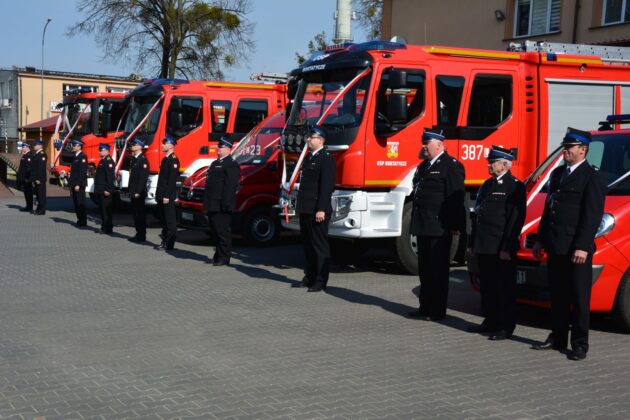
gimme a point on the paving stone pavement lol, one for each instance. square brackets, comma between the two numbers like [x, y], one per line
[95, 327]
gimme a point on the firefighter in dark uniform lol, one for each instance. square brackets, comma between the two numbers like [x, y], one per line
[138, 176]
[573, 211]
[38, 176]
[438, 214]
[78, 181]
[220, 201]
[104, 188]
[24, 176]
[499, 217]
[317, 183]
[166, 193]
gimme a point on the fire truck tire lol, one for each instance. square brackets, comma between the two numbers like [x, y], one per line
[405, 246]
[621, 308]
[261, 227]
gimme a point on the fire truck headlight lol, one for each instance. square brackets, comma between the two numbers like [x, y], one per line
[341, 207]
[607, 224]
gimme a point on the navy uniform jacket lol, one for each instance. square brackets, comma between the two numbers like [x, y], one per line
[438, 198]
[138, 175]
[104, 177]
[317, 183]
[78, 171]
[167, 179]
[499, 216]
[221, 184]
[26, 165]
[573, 210]
[38, 170]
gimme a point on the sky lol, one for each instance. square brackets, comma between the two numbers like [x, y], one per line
[282, 28]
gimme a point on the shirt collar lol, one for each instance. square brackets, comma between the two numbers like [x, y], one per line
[573, 167]
[502, 175]
[170, 152]
[314, 152]
[432, 161]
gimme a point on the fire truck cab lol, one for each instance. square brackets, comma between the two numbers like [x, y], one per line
[91, 117]
[610, 153]
[197, 114]
[377, 97]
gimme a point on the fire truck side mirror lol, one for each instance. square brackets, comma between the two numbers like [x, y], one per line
[397, 107]
[397, 79]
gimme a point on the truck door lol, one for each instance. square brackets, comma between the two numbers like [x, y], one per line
[249, 113]
[220, 111]
[392, 151]
[487, 119]
[183, 122]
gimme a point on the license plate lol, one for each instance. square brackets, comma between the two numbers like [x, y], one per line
[187, 216]
[521, 277]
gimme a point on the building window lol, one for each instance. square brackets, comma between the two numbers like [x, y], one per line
[536, 17]
[616, 11]
[69, 89]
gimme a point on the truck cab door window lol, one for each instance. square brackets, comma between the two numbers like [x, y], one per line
[410, 84]
[449, 91]
[249, 113]
[220, 115]
[490, 100]
[182, 120]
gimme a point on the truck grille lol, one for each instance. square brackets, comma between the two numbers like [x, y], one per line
[196, 196]
[294, 138]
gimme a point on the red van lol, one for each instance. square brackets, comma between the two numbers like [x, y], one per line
[255, 217]
[609, 151]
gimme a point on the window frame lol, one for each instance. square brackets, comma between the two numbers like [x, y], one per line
[469, 99]
[529, 33]
[264, 101]
[625, 4]
[185, 98]
[228, 109]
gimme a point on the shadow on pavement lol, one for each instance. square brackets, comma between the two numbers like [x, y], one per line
[261, 273]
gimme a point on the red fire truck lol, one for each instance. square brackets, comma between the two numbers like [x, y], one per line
[255, 217]
[379, 96]
[610, 152]
[92, 117]
[197, 114]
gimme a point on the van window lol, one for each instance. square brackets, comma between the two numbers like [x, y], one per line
[220, 114]
[448, 91]
[249, 113]
[490, 100]
[192, 117]
[414, 91]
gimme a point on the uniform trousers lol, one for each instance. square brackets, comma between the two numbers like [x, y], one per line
[498, 292]
[40, 193]
[570, 286]
[168, 218]
[27, 188]
[106, 207]
[78, 199]
[139, 216]
[221, 235]
[316, 248]
[433, 262]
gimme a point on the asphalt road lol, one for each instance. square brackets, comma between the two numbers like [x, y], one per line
[96, 327]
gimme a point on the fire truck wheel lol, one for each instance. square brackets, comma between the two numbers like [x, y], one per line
[405, 246]
[621, 309]
[261, 227]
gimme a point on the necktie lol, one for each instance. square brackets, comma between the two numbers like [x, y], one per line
[565, 174]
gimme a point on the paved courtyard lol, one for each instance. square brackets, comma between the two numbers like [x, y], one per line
[95, 327]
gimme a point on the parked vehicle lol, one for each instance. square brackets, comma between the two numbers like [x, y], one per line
[258, 193]
[609, 151]
[91, 117]
[197, 114]
[377, 97]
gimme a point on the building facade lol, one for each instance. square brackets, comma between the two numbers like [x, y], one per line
[494, 24]
[21, 95]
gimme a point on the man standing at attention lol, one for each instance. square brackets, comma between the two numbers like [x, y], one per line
[104, 188]
[573, 211]
[166, 193]
[24, 176]
[38, 176]
[138, 176]
[438, 214]
[78, 181]
[317, 183]
[499, 218]
[220, 201]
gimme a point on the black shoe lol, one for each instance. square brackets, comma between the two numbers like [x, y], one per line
[500, 335]
[39, 212]
[433, 318]
[26, 209]
[550, 344]
[80, 225]
[317, 287]
[577, 354]
[160, 247]
[480, 329]
[418, 313]
[220, 263]
[134, 239]
[304, 283]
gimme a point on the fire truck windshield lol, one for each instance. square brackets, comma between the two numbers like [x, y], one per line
[258, 146]
[139, 107]
[316, 93]
[73, 112]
